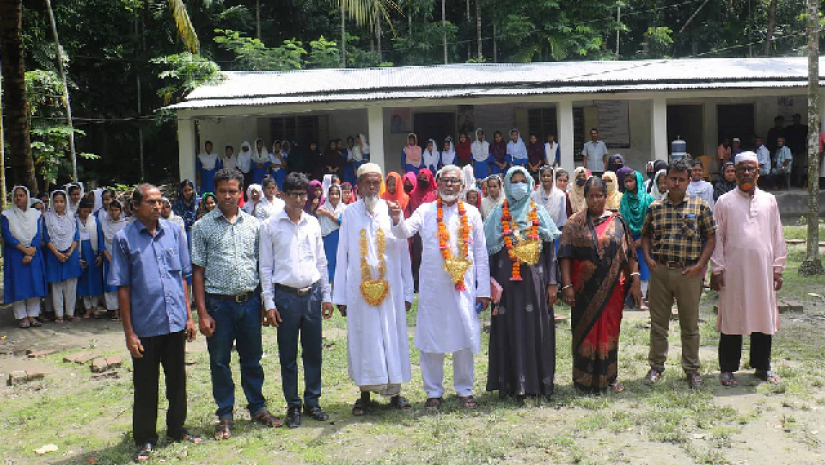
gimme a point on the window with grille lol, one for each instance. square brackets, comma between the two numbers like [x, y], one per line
[300, 129]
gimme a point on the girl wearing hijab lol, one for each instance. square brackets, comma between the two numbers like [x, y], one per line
[726, 182]
[615, 162]
[658, 188]
[24, 280]
[425, 191]
[76, 193]
[357, 156]
[431, 157]
[97, 200]
[395, 190]
[63, 263]
[329, 216]
[500, 159]
[535, 157]
[634, 205]
[244, 163]
[473, 197]
[256, 206]
[169, 215]
[347, 195]
[522, 338]
[332, 159]
[208, 203]
[658, 165]
[316, 197]
[448, 155]
[576, 193]
[411, 158]
[481, 155]
[278, 162]
[463, 151]
[90, 283]
[614, 197]
[408, 182]
[106, 197]
[113, 223]
[552, 199]
[516, 148]
[260, 163]
[186, 206]
[208, 163]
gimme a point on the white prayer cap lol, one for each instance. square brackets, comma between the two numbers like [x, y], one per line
[367, 168]
[746, 156]
[736, 139]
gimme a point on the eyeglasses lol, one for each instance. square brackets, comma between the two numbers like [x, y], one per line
[297, 195]
[450, 180]
[747, 169]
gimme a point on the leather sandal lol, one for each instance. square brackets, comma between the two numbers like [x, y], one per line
[400, 403]
[223, 430]
[267, 419]
[433, 404]
[727, 379]
[468, 402]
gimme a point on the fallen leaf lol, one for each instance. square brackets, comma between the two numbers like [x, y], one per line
[46, 449]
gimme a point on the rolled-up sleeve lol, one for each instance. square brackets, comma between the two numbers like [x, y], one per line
[120, 273]
[183, 248]
[198, 246]
[265, 266]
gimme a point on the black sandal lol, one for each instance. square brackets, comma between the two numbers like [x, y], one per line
[267, 419]
[469, 402]
[400, 403]
[223, 430]
[191, 438]
[359, 408]
[768, 376]
[433, 404]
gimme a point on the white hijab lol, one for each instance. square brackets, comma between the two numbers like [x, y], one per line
[23, 223]
[468, 178]
[263, 155]
[98, 204]
[249, 206]
[173, 218]
[551, 199]
[245, 158]
[480, 149]
[325, 184]
[448, 156]
[283, 152]
[111, 227]
[431, 158]
[61, 228]
[357, 153]
[208, 160]
[327, 225]
[72, 207]
[654, 188]
[89, 228]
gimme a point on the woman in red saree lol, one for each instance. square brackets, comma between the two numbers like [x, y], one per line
[598, 261]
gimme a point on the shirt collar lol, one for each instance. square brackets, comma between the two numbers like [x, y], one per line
[283, 215]
[142, 227]
[238, 218]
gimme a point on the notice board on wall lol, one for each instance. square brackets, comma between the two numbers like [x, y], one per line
[614, 123]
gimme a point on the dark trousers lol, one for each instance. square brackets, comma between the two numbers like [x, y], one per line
[300, 315]
[167, 350]
[730, 352]
[239, 323]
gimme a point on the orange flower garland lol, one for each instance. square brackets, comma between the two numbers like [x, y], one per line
[509, 230]
[462, 261]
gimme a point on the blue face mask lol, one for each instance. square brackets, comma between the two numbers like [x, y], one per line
[519, 190]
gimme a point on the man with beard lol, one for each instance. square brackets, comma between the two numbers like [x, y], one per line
[375, 304]
[746, 268]
[455, 285]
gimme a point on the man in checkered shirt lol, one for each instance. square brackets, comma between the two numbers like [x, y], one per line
[678, 238]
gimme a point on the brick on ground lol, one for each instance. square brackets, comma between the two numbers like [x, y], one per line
[33, 375]
[99, 365]
[17, 378]
[81, 357]
[40, 353]
[790, 306]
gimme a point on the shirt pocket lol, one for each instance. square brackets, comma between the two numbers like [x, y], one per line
[690, 226]
[173, 259]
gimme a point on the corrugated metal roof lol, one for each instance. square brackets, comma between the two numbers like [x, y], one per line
[490, 80]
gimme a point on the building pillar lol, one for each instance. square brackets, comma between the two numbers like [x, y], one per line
[375, 124]
[187, 149]
[658, 128]
[566, 135]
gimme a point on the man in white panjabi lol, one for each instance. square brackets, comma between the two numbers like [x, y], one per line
[374, 290]
[455, 284]
[746, 268]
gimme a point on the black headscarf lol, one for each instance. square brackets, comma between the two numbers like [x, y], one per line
[722, 186]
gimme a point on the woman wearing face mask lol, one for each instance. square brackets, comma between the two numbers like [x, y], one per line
[576, 194]
[522, 334]
[409, 181]
[614, 196]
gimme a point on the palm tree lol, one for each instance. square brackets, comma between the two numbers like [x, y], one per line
[368, 13]
[184, 25]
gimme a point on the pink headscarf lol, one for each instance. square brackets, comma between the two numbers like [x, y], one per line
[413, 152]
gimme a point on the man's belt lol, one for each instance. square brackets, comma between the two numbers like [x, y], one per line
[676, 265]
[238, 298]
[300, 292]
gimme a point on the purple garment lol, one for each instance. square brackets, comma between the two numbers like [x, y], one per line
[311, 191]
[620, 176]
[535, 153]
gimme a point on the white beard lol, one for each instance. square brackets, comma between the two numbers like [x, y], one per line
[449, 198]
[370, 201]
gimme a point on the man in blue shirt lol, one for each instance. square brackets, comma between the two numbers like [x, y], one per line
[150, 264]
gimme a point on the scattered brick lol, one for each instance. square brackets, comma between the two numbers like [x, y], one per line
[99, 365]
[17, 378]
[114, 361]
[32, 375]
[40, 353]
[81, 357]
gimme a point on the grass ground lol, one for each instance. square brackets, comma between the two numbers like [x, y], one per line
[667, 423]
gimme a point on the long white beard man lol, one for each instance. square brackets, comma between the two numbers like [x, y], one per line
[374, 290]
[454, 286]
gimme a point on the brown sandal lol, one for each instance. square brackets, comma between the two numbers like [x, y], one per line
[469, 401]
[267, 419]
[223, 430]
[433, 404]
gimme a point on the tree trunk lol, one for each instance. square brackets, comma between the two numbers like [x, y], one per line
[812, 265]
[66, 102]
[14, 90]
[444, 28]
[378, 33]
[495, 47]
[258, 19]
[2, 160]
[343, 36]
[479, 52]
[771, 27]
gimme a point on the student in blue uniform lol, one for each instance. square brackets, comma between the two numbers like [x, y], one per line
[63, 260]
[208, 164]
[90, 283]
[24, 280]
[113, 222]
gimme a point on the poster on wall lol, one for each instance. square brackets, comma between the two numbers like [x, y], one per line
[785, 107]
[465, 120]
[400, 120]
[614, 123]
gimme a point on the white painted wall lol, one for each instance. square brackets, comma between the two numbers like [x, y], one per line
[639, 152]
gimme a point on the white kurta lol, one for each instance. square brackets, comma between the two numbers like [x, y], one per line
[378, 349]
[447, 319]
[750, 247]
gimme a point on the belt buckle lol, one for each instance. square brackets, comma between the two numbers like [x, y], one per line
[304, 292]
[241, 298]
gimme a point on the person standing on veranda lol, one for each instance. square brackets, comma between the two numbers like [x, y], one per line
[678, 237]
[595, 154]
[150, 264]
[227, 297]
[746, 270]
[374, 290]
[455, 284]
[296, 295]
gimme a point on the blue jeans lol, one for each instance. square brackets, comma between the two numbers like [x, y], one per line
[239, 323]
[300, 315]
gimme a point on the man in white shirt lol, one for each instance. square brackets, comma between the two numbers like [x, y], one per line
[595, 154]
[374, 291]
[455, 286]
[763, 155]
[551, 151]
[296, 294]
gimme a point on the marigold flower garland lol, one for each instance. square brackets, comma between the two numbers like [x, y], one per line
[454, 266]
[509, 229]
[373, 290]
